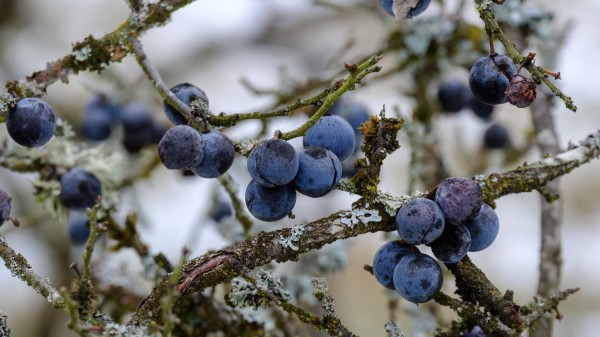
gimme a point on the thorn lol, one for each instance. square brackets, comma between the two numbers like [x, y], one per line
[75, 268]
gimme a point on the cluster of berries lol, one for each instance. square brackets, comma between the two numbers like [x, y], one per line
[278, 170]
[453, 96]
[102, 115]
[208, 153]
[455, 223]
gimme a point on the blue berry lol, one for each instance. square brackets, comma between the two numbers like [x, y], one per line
[218, 155]
[420, 221]
[495, 137]
[139, 126]
[480, 109]
[418, 278]
[420, 8]
[270, 204]
[186, 93]
[273, 163]
[453, 96]
[453, 245]
[319, 171]
[79, 189]
[483, 228]
[31, 123]
[4, 206]
[79, 230]
[181, 148]
[489, 78]
[221, 211]
[99, 118]
[96, 126]
[459, 199]
[353, 112]
[387, 257]
[333, 133]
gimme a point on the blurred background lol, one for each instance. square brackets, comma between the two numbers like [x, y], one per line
[272, 43]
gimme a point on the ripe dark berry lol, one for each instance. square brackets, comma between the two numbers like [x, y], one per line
[418, 278]
[420, 221]
[79, 189]
[186, 93]
[453, 245]
[318, 173]
[218, 155]
[31, 123]
[521, 91]
[459, 199]
[96, 126]
[270, 204]
[139, 126]
[79, 230]
[333, 133]
[221, 211]
[181, 148]
[4, 206]
[418, 9]
[489, 78]
[99, 118]
[495, 137]
[387, 257]
[353, 112]
[483, 228]
[453, 96]
[273, 162]
[480, 109]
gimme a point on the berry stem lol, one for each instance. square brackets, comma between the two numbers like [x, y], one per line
[556, 75]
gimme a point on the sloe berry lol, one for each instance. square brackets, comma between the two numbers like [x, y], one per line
[420, 221]
[318, 173]
[387, 257]
[79, 189]
[459, 199]
[483, 228]
[270, 204]
[186, 93]
[418, 278]
[31, 123]
[333, 133]
[273, 162]
[181, 148]
[489, 78]
[218, 155]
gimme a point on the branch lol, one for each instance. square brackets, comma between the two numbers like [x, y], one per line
[378, 215]
[551, 212]
[19, 267]
[92, 54]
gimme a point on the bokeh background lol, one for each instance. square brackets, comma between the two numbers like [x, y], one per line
[215, 44]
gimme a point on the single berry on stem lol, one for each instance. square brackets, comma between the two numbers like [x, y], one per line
[31, 123]
[387, 257]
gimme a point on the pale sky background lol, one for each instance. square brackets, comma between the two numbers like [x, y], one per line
[216, 43]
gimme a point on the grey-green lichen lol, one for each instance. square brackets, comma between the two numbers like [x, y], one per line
[295, 234]
[360, 216]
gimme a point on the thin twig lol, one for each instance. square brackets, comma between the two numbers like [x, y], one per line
[154, 77]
